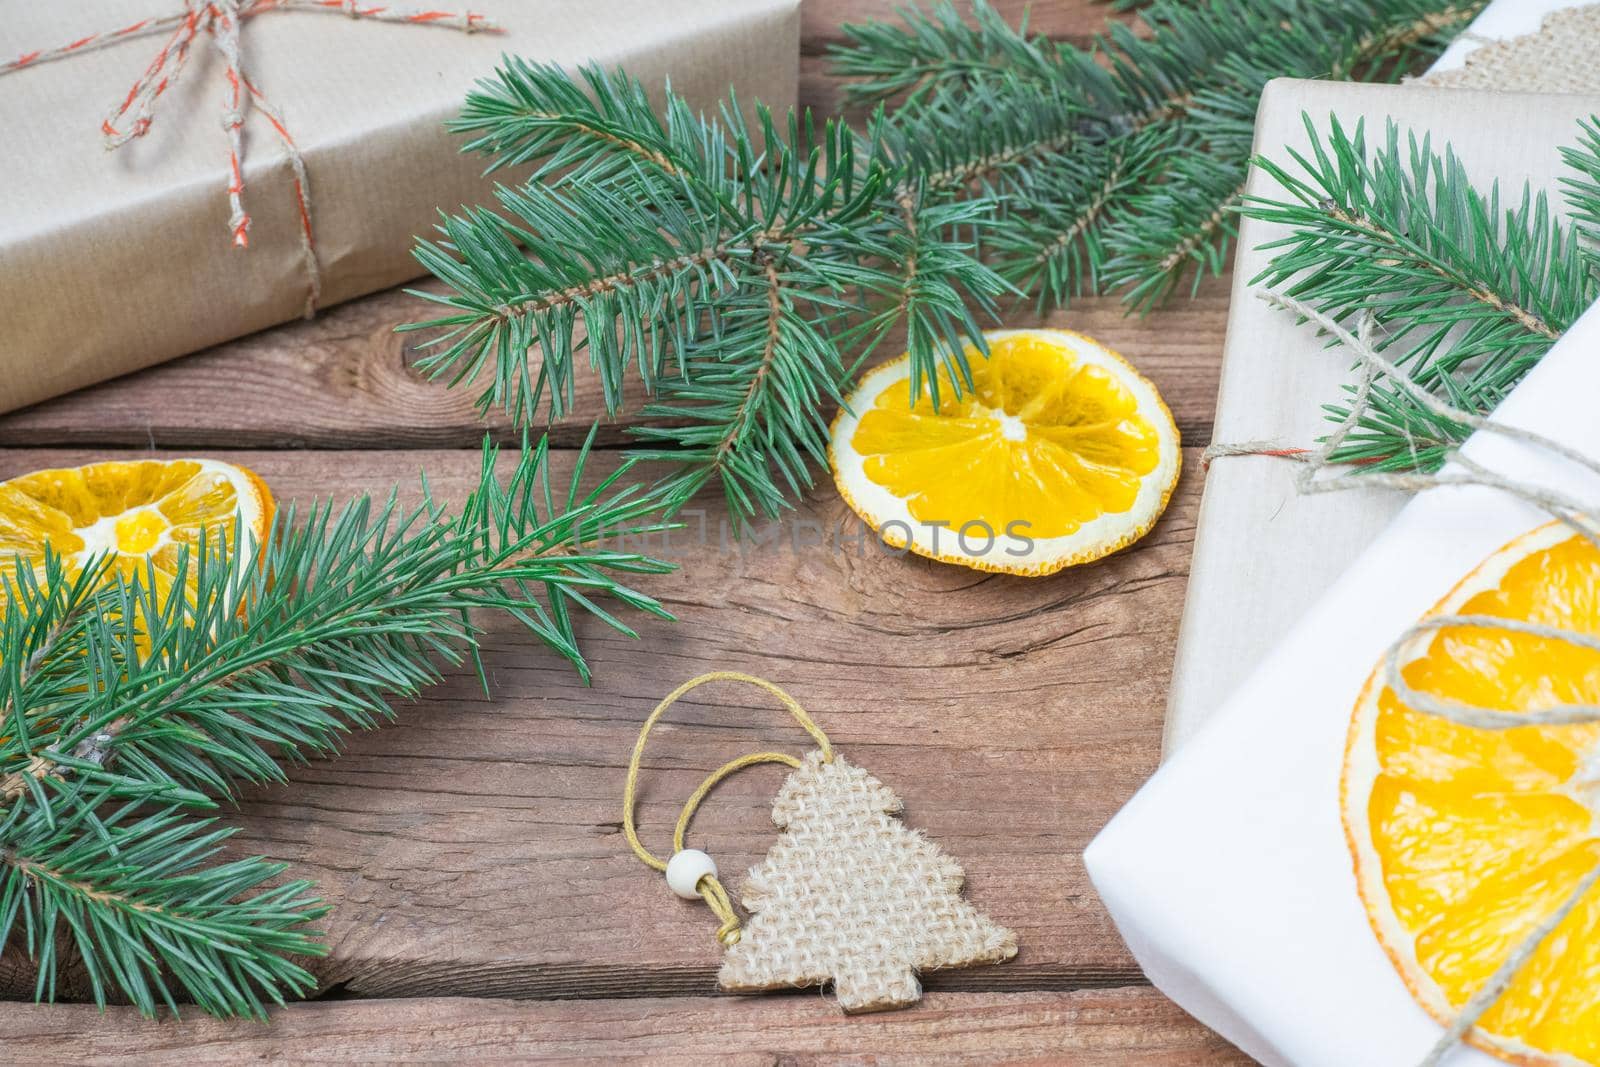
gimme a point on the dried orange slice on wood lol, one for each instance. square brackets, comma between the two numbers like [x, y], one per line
[137, 511]
[1059, 453]
[1465, 839]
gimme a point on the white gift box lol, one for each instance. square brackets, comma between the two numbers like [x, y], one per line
[1228, 873]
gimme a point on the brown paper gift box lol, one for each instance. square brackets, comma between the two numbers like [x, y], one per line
[1264, 552]
[114, 261]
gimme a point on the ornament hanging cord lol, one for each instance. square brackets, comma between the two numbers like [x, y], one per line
[1578, 515]
[705, 883]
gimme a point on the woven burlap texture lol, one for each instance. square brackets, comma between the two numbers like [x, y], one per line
[1559, 58]
[849, 894]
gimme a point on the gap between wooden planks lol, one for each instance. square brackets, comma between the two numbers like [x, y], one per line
[347, 380]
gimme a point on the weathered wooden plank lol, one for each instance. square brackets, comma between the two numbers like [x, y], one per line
[475, 847]
[820, 90]
[347, 380]
[1130, 1027]
[1073, 20]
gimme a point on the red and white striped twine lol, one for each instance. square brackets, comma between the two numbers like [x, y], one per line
[222, 20]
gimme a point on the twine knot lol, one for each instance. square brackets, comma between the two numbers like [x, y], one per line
[721, 906]
[221, 21]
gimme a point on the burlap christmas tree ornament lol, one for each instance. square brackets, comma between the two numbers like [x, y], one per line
[1558, 58]
[847, 895]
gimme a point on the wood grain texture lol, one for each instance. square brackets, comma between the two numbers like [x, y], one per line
[475, 847]
[1071, 20]
[347, 380]
[1133, 1027]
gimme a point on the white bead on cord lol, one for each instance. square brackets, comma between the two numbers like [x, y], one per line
[686, 868]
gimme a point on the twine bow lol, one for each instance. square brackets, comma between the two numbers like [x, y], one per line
[222, 20]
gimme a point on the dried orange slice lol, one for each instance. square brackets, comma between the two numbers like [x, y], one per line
[1465, 840]
[1059, 453]
[137, 511]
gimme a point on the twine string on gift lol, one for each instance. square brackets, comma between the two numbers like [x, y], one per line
[709, 888]
[1373, 367]
[1219, 449]
[1460, 471]
[1314, 458]
[222, 21]
[1482, 1000]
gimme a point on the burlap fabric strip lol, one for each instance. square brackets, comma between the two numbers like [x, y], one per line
[1559, 58]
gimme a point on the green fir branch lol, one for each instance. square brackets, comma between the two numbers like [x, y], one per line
[1052, 243]
[733, 268]
[932, 56]
[742, 271]
[1193, 77]
[1465, 292]
[1581, 191]
[123, 710]
[147, 912]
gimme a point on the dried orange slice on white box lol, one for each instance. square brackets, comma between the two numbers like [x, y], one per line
[1464, 839]
[1059, 453]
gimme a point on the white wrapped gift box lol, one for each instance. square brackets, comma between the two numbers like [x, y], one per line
[1228, 873]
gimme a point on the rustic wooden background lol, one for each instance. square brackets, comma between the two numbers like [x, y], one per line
[485, 902]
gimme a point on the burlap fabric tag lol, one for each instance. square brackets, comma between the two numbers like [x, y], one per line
[849, 894]
[1559, 58]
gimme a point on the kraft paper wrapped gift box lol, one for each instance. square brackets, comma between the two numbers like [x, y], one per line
[1264, 553]
[1228, 873]
[113, 261]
